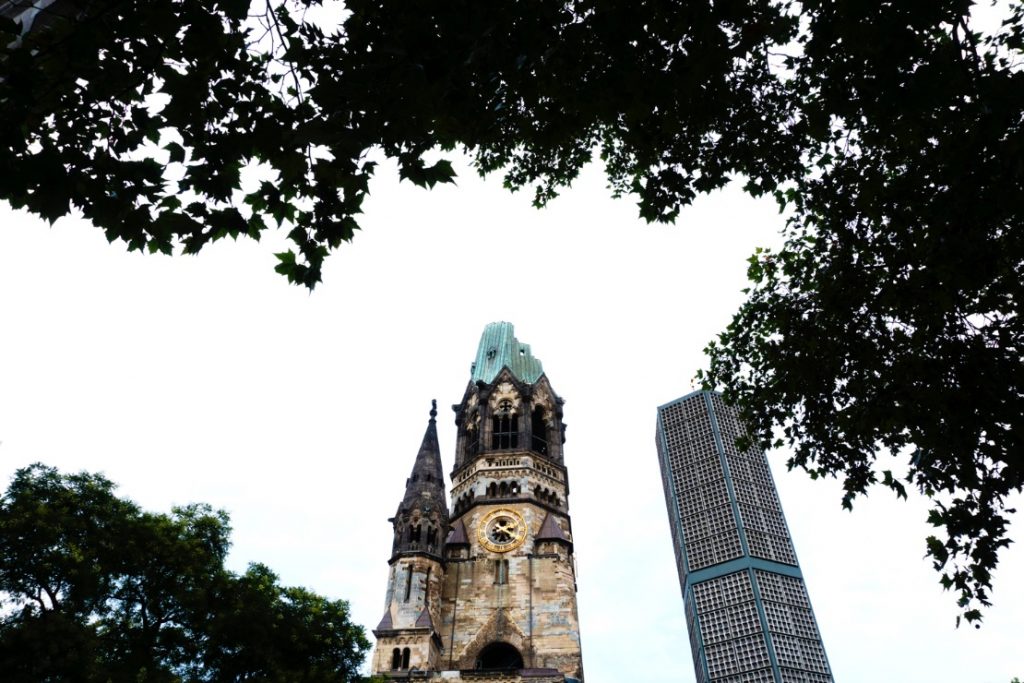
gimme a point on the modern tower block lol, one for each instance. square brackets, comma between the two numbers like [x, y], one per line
[747, 610]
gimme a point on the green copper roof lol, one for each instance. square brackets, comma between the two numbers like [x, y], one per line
[499, 349]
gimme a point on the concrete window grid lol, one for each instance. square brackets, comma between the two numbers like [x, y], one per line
[792, 676]
[720, 658]
[751, 653]
[760, 676]
[763, 519]
[799, 653]
[814, 655]
[788, 651]
[789, 615]
[752, 469]
[730, 623]
[779, 620]
[783, 549]
[741, 468]
[780, 588]
[749, 493]
[770, 547]
[728, 546]
[706, 596]
[700, 552]
[759, 545]
[681, 463]
[699, 472]
[693, 479]
[696, 501]
[722, 591]
[711, 550]
[803, 623]
[745, 619]
[716, 626]
[738, 656]
[710, 522]
[794, 590]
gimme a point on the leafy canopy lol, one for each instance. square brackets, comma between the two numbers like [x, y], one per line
[94, 589]
[890, 132]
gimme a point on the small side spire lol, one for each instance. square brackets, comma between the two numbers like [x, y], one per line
[421, 522]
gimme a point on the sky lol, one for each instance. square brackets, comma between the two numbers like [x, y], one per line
[210, 379]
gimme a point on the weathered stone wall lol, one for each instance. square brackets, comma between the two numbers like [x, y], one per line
[522, 676]
[422, 579]
[534, 610]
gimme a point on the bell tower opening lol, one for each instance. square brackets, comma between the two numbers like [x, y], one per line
[499, 656]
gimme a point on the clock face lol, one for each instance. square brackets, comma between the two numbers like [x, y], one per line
[502, 531]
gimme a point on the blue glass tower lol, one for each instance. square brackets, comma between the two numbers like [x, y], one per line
[747, 610]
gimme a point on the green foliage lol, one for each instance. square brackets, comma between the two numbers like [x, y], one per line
[150, 111]
[96, 590]
[890, 134]
[886, 334]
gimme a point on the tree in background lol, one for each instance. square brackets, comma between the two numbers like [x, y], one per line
[95, 589]
[890, 133]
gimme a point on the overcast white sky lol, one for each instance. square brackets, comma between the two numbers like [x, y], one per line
[211, 379]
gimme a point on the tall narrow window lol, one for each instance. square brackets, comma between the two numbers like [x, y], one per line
[408, 583]
[396, 659]
[405, 658]
[505, 427]
[473, 436]
[539, 431]
[501, 572]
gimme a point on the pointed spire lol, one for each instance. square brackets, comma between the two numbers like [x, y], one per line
[427, 474]
[422, 519]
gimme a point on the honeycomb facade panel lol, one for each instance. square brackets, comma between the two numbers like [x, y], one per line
[748, 614]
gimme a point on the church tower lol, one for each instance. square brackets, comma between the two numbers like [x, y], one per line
[498, 600]
[407, 638]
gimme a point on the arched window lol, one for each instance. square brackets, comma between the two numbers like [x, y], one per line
[405, 658]
[539, 431]
[513, 488]
[503, 489]
[505, 427]
[396, 659]
[492, 490]
[499, 656]
[431, 537]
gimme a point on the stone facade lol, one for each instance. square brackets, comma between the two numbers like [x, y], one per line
[498, 601]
